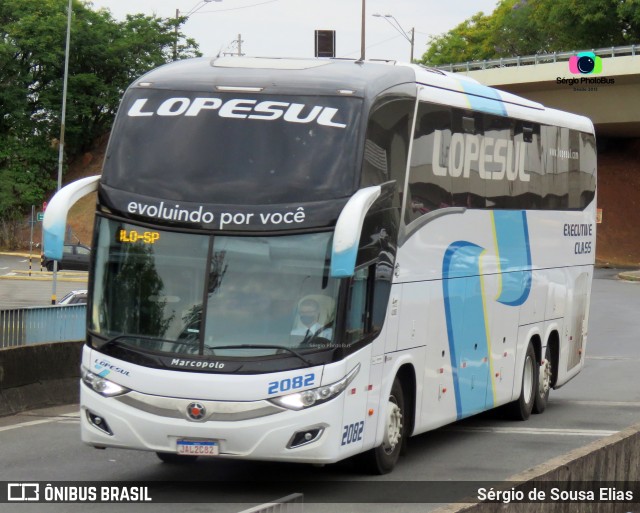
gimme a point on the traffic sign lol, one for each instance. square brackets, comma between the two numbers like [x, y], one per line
[40, 216]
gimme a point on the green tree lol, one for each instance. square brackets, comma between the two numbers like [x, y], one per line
[469, 41]
[527, 27]
[106, 55]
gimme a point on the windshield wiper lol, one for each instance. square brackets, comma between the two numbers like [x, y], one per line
[268, 346]
[114, 341]
[123, 336]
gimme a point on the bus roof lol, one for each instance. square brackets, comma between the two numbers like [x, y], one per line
[364, 79]
[282, 76]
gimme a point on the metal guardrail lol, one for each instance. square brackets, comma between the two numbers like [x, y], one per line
[35, 325]
[544, 58]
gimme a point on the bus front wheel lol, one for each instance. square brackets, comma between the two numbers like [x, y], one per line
[382, 459]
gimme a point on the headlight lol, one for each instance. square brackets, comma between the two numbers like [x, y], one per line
[101, 385]
[315, 396]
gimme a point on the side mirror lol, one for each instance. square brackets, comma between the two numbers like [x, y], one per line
[348, 230]
[55, 217]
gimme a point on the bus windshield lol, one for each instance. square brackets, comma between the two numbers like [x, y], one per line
[185, 294]
[232, 148]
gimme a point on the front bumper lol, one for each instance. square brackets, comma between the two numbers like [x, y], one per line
[256, 431]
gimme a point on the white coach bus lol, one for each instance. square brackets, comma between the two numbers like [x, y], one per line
[308, 260]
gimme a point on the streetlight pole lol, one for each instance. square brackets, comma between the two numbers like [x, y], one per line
[398, 27]
[413, 37]
[175, 36]
[65, 80]
[362, 32]
[63, 115]
[192, 11]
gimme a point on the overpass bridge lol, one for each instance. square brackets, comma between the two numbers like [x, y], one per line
[610, 98]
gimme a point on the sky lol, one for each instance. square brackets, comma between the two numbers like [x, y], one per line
[285, 28]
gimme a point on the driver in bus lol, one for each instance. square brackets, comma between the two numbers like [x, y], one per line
[310, 321]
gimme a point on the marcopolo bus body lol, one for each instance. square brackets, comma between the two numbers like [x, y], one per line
[305, 260]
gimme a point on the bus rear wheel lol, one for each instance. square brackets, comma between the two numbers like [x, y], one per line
[382, 459]
[544, 383]
[521, 408]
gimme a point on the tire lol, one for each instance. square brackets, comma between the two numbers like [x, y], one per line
[175, 459]
[521, 408]
[382, 459]
[49, 266]
[544, 383]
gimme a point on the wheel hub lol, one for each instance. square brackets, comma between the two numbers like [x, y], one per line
[393, 428]
[545, 377]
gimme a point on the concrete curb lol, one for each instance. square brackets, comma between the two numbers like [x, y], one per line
[613, 459]
[630, 275]
[45, 278]
[21, 254]
[39, 375]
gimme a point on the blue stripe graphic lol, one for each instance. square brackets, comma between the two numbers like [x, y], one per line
[512, 239]
[466, 326]
[465, 305]
[483, 98]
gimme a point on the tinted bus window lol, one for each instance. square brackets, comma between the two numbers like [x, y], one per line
[466, 159]
[429, 189]
[232, 148]
[386, 146]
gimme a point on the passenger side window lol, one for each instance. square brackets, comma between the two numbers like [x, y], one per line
[368, 299]
[499, 190]
[386, 146]
[357, 312]
[476, 160]
[430, 184]
[469, 189]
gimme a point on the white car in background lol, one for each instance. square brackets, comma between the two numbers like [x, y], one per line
[75, 297]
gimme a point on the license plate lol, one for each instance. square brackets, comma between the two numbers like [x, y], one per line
[198, 447]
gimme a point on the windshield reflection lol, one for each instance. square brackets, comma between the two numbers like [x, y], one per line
[199, 295]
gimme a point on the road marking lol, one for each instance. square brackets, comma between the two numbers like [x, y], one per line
[626, 358]
[538, 431]
[625, 404]
[66, 417]
[26, 424]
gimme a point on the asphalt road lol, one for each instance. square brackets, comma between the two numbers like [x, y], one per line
[603, 399]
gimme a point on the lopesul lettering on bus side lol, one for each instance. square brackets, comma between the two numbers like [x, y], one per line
[506, 157]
